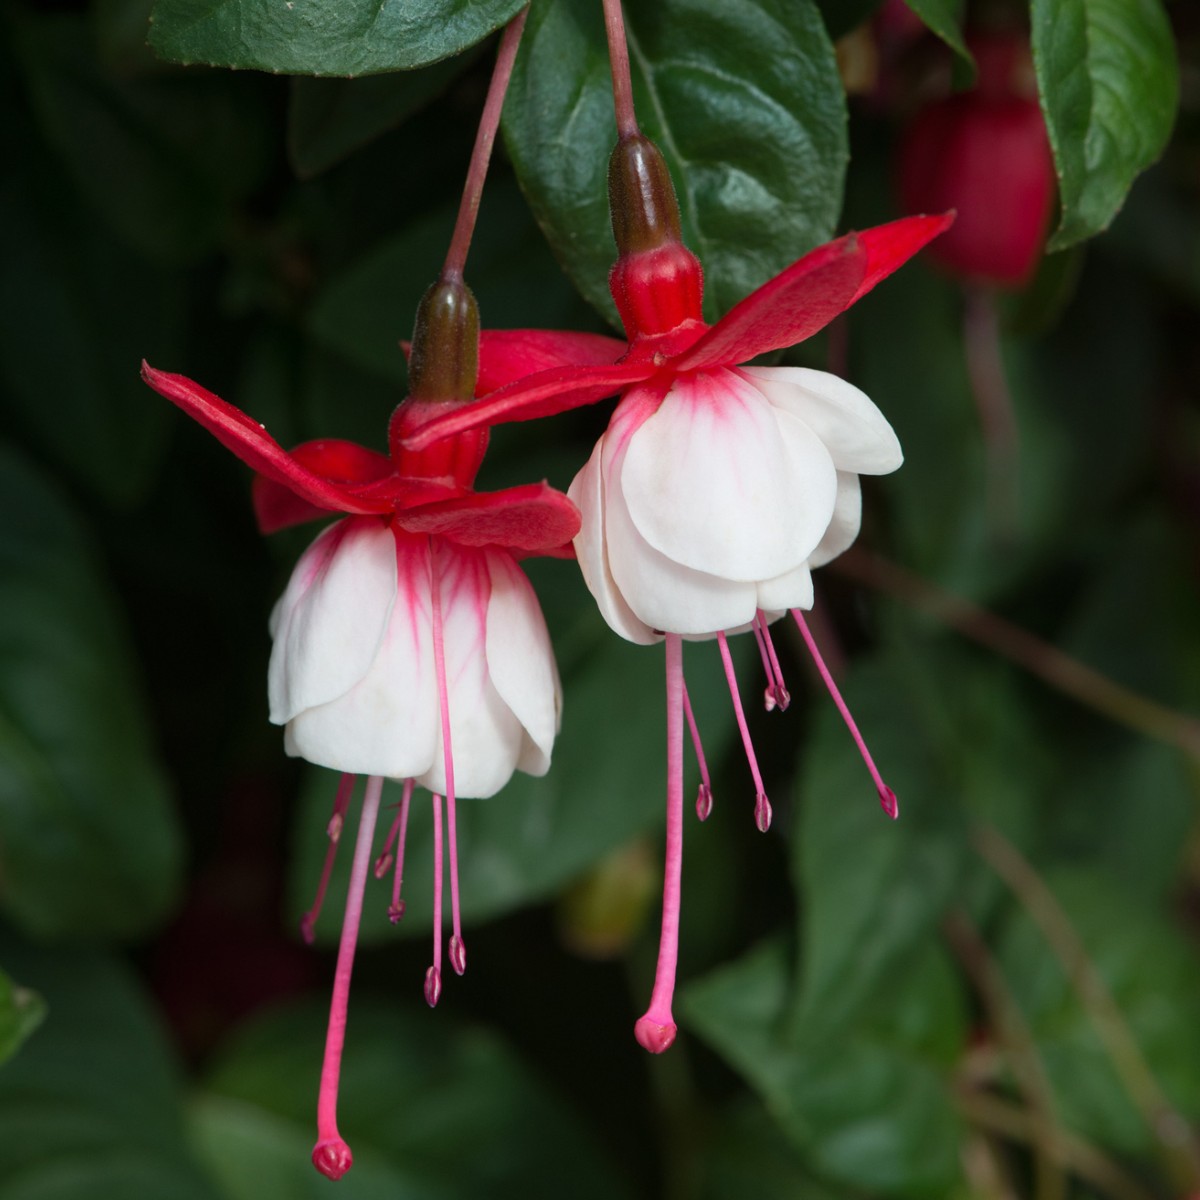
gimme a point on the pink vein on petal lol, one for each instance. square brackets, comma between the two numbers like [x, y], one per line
[251, 443]
[540, 395]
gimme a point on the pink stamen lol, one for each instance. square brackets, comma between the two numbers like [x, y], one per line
[399, 830]
[704, 797]
[782, 696]
[655, 1029]
[331, 1156]
[458, 951]
[887, 798]
[433, 976]
[769, 700]
[334, 832]
[762, 807]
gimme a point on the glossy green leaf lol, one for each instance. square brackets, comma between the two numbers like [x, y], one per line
[432, 1109]
[322, 37]
[88, 838]
[944, 732]
[92, 1106]
[1151, 971]
[755, 137]
[22, 1010]
[607, 783]
[871, 1108]
[1109, 84]
[329, 119]
[944, 17]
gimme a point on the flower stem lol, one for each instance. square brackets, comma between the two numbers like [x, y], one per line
[464, 227]
[618, 57]
[331, 1156]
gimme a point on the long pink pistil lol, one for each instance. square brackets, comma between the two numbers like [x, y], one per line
[433, 976]
[655, 1029]
[331, 1156]
[887, 798]
[704, 797]
[458, 950]
[400, 830]
[762, 806]
[334, 832]
[780, 696]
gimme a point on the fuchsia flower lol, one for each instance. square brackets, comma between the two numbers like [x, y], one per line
[718, 485]
[408, 644]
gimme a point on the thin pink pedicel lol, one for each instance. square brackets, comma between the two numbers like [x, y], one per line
[400, 831]
[331, 1156]
[704, 797]
[334, 831]
[780, 695]
[762, 806]
[433, 976]
[887, 798]
[458, 951]
[655, 1029]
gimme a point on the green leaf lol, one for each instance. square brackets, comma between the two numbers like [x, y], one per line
[871, 1108]
[756, 139]
[1109, 84]
[322, 37]
[328, 119]
[21, 1012]
[944, 17]
[1152, 974]
[88, 838]
[433, 1110]
[92, 1106]
[944, 731]
[606, 785]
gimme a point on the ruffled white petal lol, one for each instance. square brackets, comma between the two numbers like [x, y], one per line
[520, 661]
[388, 723]
[812, 484]
[331, 618]
[708, 482]
[857, 435]
[587, 493]
[847, 520]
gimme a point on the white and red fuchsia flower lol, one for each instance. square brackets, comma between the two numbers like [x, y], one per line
[718, 485]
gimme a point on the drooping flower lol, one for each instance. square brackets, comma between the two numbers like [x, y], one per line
[718, 485]
[408, 643]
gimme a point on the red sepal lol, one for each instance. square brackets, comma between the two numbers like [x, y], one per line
[256, 448]
[890, 246]
[533, 518]
[506, 355]
[540, 395]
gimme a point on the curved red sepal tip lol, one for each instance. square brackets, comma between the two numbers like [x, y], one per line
[332, 1158]
[506, 355]
[890, 246]
[887, 799]
[531, 518]
[540, 395]
[652, 1036]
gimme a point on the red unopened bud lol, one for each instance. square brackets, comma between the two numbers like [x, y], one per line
[984, 153]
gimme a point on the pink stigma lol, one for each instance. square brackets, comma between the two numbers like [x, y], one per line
[887, 798]
[653, 1037]
[332, 1158]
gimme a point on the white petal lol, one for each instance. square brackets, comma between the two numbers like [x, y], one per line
[666, 595]
[520, 660]
[793, 590]
[587, 492]
[812, 482]
[485, 735]
[388, 723]
[847, 519]
[856, 433]
[707, 481]
[332, 615]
